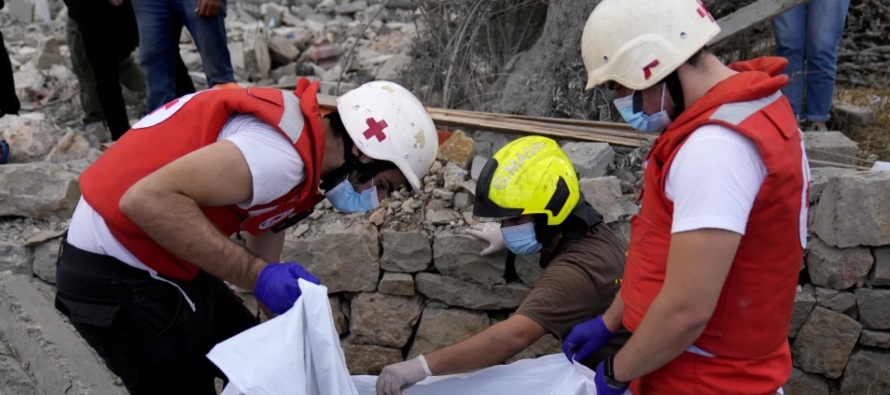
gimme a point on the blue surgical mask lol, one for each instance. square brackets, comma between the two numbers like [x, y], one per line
[344, 198]
[521, 239]
[654, 123]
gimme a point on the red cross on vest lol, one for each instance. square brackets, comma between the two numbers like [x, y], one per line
[375, 129]
[703, 11]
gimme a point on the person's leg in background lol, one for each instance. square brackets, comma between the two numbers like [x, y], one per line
[103, 28]
[790, 33]
[825, 27]
[157, 51]
[9, 102]
[184, 83]
[80, 65]
[209, 33]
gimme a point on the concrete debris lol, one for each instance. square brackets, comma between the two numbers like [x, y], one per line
[45, 257]
[837, 268]
[477, 166]
[15, 257]
[831, 147]
[389, 70]
[852, 210]
[853, 114]
[591, 160]
[453, 176]
[30, 136]
[458, 149]
[874, 308]
[351, 7]
[440, 328]
[283, 50]
[48, 53]
[384, 320]
[401, 284]
[38, 190]
[72, 146]
[825, 342]
[60, 361]
[604, 194]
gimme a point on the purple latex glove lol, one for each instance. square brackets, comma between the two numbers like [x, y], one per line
[278, 286]
[602, 388]
[586, 339]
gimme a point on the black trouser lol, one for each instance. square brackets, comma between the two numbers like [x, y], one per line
[9, 102]
[109, 35]
[144, 328]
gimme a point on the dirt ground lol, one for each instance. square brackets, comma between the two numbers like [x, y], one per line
[874, 140]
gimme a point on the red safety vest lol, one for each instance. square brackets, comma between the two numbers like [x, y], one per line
[188, 124]
[749, 328]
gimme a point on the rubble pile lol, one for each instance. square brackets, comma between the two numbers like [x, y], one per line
[350, 42]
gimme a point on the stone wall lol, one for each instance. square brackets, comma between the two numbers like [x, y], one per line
[840, 329]
[407, 278]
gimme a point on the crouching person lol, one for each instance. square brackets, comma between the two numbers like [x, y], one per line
[531, 185]
[142, 266]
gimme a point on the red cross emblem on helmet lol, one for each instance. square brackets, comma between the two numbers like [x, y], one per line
[375, 129]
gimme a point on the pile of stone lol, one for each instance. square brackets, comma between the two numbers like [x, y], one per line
[345, 42]
[840, 330]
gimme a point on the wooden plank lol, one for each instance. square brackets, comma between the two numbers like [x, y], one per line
[607, 132]
[750, 15]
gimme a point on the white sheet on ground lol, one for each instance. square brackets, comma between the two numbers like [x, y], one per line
[299, 353]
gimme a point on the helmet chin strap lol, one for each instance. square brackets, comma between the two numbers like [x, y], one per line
[676, 91]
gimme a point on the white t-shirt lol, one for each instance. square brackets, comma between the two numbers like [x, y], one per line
[275, 166]
[714, 180]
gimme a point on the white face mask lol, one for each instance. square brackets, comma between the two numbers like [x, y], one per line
[654, 123]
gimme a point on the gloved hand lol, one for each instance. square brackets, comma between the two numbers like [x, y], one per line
[490, 232]
[278, 286]
[396, 377]
[602, 388]
[586, 339]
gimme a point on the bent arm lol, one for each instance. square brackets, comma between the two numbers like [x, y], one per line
[698, 264]
[166, 205]
[494, 345]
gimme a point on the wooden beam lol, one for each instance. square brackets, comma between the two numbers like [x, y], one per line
[607, 132]
[750, 15]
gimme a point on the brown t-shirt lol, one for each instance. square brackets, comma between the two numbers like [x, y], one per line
[580, 283]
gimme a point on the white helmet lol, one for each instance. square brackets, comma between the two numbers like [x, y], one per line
[386, 122]
[638, 43]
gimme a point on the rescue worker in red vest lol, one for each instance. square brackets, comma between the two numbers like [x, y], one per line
[716, 249]
[142, 266]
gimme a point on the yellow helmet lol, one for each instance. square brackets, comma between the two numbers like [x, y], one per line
[531, 175]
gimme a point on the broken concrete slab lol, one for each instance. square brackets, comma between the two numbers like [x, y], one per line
[604, 194]
[38, 190]
[591, 160]
[853, 114]
[57, 357]
[831, 147]
[283, 50]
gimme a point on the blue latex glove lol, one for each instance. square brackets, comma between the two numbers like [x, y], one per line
[586, 339]
[600, 380]
[278, 285]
